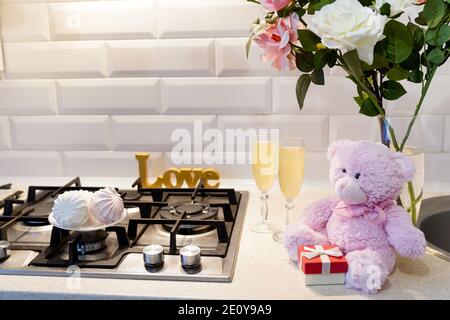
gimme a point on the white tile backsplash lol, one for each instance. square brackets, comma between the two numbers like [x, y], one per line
[437, 100]
[24, 22]
[314, 129]
[168, 57]
[109, 96]
[335, 97]
[61, 133]
[30, 163]
[99, 20]
[206, 95]
[137, 133]
[108, 164]
[353, 127]
[231, 60]
[205, 18]
[27, 97]
[447, 134]
[5, 135]
[71, 59]
[88, 83]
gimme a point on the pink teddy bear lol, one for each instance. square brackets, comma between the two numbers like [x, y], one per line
[364, 220]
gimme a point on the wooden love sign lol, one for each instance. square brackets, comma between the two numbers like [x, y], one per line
[175, 178]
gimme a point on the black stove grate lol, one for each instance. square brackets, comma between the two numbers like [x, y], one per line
[148, 201]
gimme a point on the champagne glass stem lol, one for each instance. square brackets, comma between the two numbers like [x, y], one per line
[289, 211]
[264, 206]
[262, 226]
[289, 219]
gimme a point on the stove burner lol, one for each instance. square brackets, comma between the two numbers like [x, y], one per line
[191, 211]
[109, 249]
[40, 209]
[91, 242]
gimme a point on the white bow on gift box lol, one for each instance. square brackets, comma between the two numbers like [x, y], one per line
[319, 251]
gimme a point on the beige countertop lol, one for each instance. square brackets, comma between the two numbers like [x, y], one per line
[262, 270]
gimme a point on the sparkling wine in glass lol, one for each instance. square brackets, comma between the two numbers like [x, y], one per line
[290, 175]
[264, 167]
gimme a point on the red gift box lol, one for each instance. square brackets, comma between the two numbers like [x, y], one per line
[319, 259]
[322, 264]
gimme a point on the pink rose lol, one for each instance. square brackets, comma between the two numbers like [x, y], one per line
[275, 5]
[419, 2]
[276, 42]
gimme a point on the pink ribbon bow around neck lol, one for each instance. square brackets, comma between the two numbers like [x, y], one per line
[375, 213]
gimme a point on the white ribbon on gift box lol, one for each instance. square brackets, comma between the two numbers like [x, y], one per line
[318, 250]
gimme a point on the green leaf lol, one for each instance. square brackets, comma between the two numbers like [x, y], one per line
[366, 3]
[358, 100]
[443, 34]
[437, 37]
[379, 62]
[420, 20]
[286, 11]
[397, 73]
[332, 58]
[431, 36]
[417, 35]
[321, 4]
[300, 11]
[392, 90]
[433, 12]
[399, 42]
[415, 76]
[302, 88]
[436, 56]
[311, 7]
[308, 39]
[413, 61]
[320, 59]
[305, 61]
[351, 59]
[317, 77]
[368, 108]
[385, 9]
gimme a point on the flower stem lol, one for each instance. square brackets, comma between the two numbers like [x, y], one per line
[413, 205]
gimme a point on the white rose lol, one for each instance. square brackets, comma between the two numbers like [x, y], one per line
[347, 25]
[399, 6]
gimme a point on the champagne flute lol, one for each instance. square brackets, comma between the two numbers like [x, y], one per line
[264, 166]
[290, 175]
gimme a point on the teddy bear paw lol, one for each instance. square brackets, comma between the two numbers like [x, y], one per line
[364, 276]
[413, 248]
[300, 234]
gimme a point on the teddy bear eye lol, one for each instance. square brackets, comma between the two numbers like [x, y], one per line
[357, 176]
[344, 171]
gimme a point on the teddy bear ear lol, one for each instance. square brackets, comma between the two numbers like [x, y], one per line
[335, 146]
[405, 165]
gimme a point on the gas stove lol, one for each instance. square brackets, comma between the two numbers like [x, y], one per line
[187, 234]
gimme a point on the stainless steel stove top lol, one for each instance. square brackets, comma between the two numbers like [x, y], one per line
[37, 248]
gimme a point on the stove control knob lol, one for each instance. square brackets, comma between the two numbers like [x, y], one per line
[190, 257]
[4, 250]
[153, 255]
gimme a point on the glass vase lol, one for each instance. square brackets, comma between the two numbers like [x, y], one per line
[412, 192]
